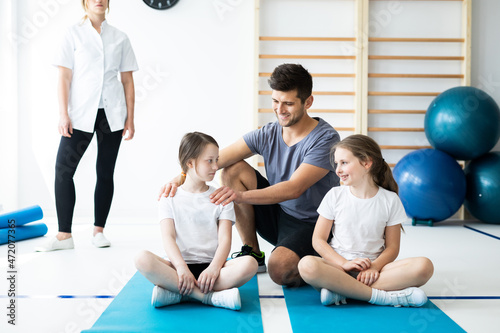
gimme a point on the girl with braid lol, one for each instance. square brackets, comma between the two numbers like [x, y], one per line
[196, 237]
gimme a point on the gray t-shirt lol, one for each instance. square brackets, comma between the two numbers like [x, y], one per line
[281, 161]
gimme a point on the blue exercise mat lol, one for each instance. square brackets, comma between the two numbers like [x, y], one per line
[307, 314]
[22, 216]
[23, 232]
[131, 311]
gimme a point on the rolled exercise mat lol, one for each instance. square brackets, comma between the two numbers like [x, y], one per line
[22, 216]
[23, 232]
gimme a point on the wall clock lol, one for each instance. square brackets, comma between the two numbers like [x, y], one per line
[161, 4]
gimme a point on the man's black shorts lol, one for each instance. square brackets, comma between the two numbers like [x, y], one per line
[281, 229]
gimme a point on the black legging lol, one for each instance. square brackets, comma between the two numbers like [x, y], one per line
[70, 152]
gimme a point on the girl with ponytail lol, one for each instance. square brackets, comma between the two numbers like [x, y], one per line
[196, 237]
[364, 216]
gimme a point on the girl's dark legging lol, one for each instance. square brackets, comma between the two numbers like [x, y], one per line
[69, 155]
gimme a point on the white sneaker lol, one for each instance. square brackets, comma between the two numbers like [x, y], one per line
[229, 299]
[163, 297]
[329, 297]
[99, 240]
[54, 244]
[408, 297]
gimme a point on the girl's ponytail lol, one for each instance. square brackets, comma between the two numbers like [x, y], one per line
[385, 179]
[183, 178]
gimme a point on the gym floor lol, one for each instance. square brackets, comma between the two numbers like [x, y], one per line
[66, 291]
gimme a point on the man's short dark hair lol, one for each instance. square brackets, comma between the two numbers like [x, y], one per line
[287, 77]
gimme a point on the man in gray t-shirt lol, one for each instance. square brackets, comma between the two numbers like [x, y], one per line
[296, 152]
[281, 161]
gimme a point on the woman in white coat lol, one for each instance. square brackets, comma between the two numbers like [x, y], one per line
[91, 100]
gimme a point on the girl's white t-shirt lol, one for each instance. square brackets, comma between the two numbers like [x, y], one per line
[359, 224]
[196, 223]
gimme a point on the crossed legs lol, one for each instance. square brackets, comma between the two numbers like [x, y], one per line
[400, 274]
[161, 272]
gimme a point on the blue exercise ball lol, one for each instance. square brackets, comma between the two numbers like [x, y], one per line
[463, 122]
[483, 188]
[431, 184]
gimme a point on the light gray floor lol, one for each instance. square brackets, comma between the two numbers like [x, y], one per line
[467, 264]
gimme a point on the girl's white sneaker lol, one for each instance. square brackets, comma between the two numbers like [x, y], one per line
[163, 297]
[412, 296]
[328, 297]
[229, 299]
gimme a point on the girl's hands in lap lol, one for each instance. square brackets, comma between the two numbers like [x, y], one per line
[357, 264]
[207, 278]
[368, 276]
[186, 281]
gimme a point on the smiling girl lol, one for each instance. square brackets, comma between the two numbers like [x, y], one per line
[365, 217]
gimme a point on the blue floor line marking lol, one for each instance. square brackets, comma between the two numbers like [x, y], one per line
[86, 296]
[260, 296]
[481, 232]
[62, 296]
[429, 297]
[464, 297]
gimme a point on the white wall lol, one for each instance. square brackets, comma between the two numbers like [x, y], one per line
[8, 111]
[424, 19]
[196, 73]
[486, 48]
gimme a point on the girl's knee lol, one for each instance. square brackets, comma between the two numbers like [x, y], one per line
[426, 268]
[243, 268]
[249, 266]
[253, 266]
[143, 261]
[308, 267]
[422, 268]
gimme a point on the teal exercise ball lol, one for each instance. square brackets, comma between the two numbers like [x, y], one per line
[483, 188]
[431, 184]
[463, 122]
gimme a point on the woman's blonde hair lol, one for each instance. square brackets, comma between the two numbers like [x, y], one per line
[366, 149]
[84, 5]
